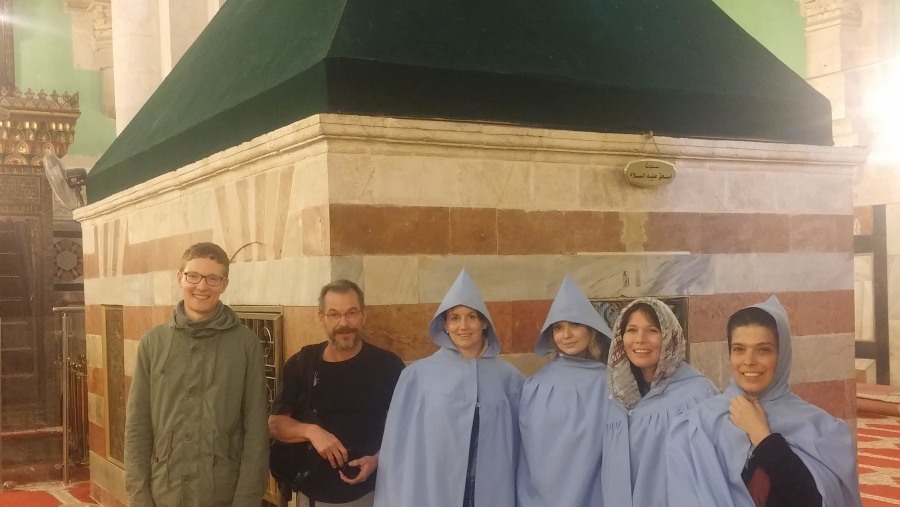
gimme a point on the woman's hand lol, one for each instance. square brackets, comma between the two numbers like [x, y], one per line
[748, 415]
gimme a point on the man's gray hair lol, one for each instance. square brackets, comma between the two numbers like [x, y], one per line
[341, 286]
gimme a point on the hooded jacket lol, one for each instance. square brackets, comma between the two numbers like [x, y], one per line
[707, 452]
[561, 415]
[637, 428]
[425, 451]
[196, 431]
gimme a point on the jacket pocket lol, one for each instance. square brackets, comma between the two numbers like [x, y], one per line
[159, 463]
[226, 467]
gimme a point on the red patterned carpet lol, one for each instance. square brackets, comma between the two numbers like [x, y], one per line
[879, 472]
[879, 459]
[48, 495]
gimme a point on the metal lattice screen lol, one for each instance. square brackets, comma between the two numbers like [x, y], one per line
[267, 323]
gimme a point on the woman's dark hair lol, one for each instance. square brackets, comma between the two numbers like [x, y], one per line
[650, 313]
[644, 308]
[752, 316]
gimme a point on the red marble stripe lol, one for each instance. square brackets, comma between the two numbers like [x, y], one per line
[97, 439]
[837, 397]
[824, 312]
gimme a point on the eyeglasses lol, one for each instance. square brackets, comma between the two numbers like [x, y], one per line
[350, 315]
[211, 280]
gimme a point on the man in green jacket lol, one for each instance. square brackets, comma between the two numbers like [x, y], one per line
[195, 431]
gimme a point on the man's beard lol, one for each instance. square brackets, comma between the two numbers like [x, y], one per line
[343, 330]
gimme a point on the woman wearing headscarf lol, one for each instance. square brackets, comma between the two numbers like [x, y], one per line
[452, 437]
[562, 407]
[651, 387]
[757, 444]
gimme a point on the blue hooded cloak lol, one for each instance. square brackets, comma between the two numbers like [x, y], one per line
[561, 415]
[637, 428]
[707, 452]
[425, 450]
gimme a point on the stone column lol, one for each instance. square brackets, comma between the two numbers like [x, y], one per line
[136, 55]
[92, 44]
[181, 24]
[832, 33]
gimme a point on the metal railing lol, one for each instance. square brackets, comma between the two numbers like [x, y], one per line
[73, 387]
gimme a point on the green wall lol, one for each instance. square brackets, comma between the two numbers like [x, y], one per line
[776, 24]
[42, 37]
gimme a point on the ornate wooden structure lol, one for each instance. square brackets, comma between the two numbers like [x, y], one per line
[31, 124]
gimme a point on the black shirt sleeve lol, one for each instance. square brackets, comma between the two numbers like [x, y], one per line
[791, 481]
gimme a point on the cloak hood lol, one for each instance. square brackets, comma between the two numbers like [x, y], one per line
[571, 305]
[780, 385]
[463, 292]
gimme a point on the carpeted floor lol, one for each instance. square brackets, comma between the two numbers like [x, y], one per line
[879, 472]
[48, 494]
[879, 459]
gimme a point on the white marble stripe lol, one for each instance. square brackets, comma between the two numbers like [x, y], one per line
[94, 350]
[129, 352]
[799, 271]
[816, 358]
[96, 409]
[591, 183]
[424, 279]
[395, 155]
[108, 476]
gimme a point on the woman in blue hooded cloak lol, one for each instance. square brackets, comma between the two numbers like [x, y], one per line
[652, 387]
[451, 438]
[758, 444]
[561, 410]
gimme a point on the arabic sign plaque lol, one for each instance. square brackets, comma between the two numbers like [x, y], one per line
[649, 173]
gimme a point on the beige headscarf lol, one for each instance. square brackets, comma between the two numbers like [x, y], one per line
[622, 384]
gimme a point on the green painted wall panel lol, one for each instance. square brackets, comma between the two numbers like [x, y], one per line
[42, 36]
[776, 24]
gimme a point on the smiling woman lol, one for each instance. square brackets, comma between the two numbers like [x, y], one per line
[758, 444]
[562, 407]
[451, 436]
[651, 386]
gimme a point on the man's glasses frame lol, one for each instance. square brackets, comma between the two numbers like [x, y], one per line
[351, 315]
[194, 278]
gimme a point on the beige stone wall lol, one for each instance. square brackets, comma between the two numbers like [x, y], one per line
[401, 205]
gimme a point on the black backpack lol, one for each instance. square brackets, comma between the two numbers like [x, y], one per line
[294, 465]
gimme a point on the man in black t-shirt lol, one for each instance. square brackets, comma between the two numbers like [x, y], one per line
[335, 395]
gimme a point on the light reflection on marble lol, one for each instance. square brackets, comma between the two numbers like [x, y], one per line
[804, 272]
[533, 277]
[679, 275]
[734, 273]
